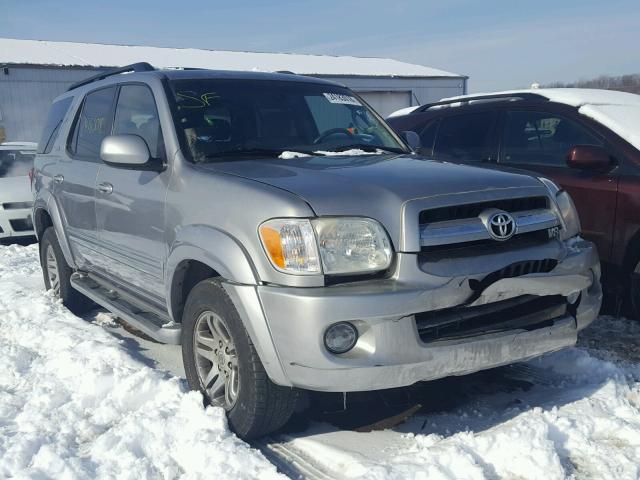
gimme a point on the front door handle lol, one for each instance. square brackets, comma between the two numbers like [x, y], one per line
[58, 179]
[105, 188]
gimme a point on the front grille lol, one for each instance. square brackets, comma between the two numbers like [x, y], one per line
[471, 210]
[511, 271]
[527, 312]
[478, 247]
[21, 224]
[16, 205]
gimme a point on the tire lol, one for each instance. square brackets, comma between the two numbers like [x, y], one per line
[255, 405]
[52, 258]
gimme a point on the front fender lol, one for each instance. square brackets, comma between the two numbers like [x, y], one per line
[47, 202]
[213, 248]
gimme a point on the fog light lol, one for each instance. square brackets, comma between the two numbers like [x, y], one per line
[340, 337]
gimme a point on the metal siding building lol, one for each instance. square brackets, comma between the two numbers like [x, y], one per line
[33, 73]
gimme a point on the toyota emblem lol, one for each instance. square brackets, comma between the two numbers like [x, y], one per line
[501, 226]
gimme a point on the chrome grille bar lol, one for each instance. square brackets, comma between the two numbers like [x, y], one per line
[472, 229]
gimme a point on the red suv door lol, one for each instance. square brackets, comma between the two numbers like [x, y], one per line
[539, 140]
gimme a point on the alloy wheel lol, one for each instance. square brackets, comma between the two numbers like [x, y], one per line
[216, 360]
[52, 271]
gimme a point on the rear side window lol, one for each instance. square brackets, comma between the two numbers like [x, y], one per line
[466, 138]
[540, 138]
[56, 115]
[136, 114]
[93, 124]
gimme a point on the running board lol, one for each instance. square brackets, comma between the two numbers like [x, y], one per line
[149, 321]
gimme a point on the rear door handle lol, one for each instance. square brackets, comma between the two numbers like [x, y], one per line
[105, 188]
[58, 179]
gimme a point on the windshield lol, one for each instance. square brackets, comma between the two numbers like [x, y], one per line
[15, 163]
[225, 118]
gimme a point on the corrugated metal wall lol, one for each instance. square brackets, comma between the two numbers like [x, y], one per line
[27, 92]
[25, 96]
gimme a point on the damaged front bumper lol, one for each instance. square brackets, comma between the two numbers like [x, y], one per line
[392, 350]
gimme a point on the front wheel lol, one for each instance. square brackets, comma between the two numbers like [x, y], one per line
[221, 362]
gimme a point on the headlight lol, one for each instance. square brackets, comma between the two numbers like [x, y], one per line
[569, 215]
[291, 245]
[352, 245]
[567, 209]
[341, 245]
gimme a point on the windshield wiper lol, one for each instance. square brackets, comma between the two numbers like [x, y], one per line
[365, 147]
[257, 152]
[247, 152]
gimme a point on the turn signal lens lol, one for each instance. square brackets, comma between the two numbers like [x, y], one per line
[290, 245]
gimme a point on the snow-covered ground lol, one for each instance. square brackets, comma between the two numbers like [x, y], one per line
[85, 398]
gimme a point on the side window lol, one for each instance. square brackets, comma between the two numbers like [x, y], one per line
[136, 114]
[428, 137]
[539, 138]
[93, 124]
[55, 117]
[465, 137]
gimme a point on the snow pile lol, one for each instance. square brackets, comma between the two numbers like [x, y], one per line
[622, 119]
[581, 419]
[75, 404]
[287, 155]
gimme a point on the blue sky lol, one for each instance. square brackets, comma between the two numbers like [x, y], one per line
[499, 44]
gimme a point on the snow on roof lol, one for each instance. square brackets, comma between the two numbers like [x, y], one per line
[40, 52]
[576, 97]
[403, 111]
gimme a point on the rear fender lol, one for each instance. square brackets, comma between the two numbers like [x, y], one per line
[47, 202]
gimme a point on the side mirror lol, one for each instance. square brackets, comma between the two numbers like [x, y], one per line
[589, 157]
[127, 151]
[412, 139]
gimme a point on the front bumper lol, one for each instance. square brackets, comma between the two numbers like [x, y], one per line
[15, 222]
[389, 352]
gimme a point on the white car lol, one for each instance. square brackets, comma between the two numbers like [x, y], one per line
[16, 200]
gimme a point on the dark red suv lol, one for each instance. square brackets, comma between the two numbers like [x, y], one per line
[587, 141]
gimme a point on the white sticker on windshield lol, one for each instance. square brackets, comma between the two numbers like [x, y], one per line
[343, 99]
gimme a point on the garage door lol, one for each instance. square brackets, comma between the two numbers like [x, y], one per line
[387, 102]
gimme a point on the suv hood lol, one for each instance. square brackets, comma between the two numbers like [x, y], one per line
[375, 186]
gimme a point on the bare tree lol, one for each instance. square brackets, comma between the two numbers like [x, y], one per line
[624, 83]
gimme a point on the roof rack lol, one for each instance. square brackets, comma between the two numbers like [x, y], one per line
[288, 72]
[134, 67]
[489, 97]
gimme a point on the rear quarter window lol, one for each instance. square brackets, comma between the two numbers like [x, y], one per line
[56, 115]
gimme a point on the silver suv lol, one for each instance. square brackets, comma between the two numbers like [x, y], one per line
[280, 231]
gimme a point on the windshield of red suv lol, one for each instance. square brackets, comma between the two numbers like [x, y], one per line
[15, 163]
[219, 119]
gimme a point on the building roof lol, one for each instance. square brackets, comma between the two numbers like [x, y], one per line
[41, 52]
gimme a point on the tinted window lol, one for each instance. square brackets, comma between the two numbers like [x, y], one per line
[223, 118]
[15, 163]
[465, 137]
[50, 132]
[539, 138]
[136, 114]
[93, 124]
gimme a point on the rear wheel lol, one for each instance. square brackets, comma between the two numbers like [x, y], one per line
[57, 274]
[221, 361]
